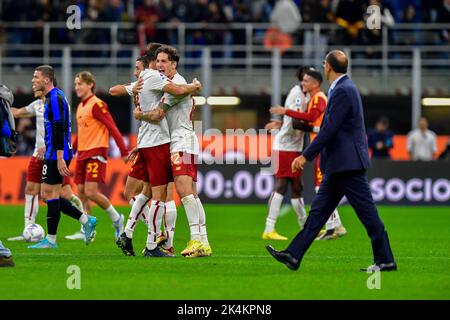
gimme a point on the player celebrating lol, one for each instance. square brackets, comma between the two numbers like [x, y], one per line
[34, 171]
[184, 148]
[314, 115]
[154, 148]
[135, 179]
[287, 145]
[95, 123]
[57, 157]
[134, 183]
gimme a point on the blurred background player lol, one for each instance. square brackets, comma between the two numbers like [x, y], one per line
[287, 145]
[57, 157]
[311, 83]
[184, 149]
[380, 139]
[34, 170]
[422, 144]
[94, 123]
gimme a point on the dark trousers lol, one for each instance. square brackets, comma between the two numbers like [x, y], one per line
[355, 186]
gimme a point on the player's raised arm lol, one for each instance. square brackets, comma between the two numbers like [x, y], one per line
[118, 90]
[30, 110]
[310, 116]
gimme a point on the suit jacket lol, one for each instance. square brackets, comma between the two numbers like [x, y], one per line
[342, 140]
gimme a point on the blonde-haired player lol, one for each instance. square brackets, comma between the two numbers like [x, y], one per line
[95, 124]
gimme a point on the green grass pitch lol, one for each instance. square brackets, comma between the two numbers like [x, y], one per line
[240, 267]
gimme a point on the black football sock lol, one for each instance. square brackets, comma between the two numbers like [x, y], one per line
[68, 208]
[53, 216]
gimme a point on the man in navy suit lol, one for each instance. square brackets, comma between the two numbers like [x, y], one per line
[344, 159]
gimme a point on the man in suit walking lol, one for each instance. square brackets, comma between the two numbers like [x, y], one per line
[344, 159]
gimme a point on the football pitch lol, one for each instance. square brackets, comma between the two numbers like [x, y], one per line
[240, 267]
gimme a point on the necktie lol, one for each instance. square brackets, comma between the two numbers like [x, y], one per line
[329, 93]
[326, 110]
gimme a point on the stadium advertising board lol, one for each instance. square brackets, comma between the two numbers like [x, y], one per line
[392, 182]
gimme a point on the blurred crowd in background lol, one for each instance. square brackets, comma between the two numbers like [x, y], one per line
[286, 15]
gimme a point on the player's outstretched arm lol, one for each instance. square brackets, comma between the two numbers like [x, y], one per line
[124, 89]
[118, 90]
[272, 125]
[21, 113]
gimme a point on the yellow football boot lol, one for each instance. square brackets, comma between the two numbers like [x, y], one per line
[273, 235]
[194, 248]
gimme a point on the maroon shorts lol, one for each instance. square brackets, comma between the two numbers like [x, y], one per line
[157, 165]
[184, 164]
[282, 160]
[34, 172]
[90, 170]
[137, 170]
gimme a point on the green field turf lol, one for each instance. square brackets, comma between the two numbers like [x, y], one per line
[240, 267]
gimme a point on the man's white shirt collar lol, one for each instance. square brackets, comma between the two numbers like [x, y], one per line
[334, 83]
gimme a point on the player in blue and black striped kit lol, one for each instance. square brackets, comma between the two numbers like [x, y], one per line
[58, 154]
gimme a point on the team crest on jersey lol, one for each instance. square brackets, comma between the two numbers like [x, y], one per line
[298, 101]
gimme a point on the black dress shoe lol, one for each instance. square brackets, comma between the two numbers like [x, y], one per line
[6, 261]
[391, 266]
[284, 257]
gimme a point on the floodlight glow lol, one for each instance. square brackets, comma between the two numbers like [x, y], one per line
[436, 102]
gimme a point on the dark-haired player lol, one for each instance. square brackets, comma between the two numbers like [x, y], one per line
[311, 83]
[287, 145]
[57, 157]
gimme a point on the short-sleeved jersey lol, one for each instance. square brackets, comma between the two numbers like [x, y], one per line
[57, 111]
[36, 108]
[179, 118]
[288, 138]
[129, 88]
[152, 134]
